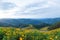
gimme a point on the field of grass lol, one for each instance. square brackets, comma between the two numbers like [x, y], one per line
[10, 33]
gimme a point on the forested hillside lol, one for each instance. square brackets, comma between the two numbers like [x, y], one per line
[26, 22]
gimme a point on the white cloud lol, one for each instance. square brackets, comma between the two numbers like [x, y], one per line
[29, 8]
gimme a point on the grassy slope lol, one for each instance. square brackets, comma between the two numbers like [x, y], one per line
[13, 32]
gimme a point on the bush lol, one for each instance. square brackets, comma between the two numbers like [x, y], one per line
[2, 34]
[54, 26]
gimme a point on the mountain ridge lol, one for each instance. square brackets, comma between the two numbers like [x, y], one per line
[19, 22]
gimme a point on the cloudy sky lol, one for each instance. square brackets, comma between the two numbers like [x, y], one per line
[29, 8]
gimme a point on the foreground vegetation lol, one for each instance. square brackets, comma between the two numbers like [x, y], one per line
[9, 33]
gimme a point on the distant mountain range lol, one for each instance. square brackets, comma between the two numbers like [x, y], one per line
[21, 22]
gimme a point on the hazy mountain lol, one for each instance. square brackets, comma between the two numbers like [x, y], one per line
[21, 22]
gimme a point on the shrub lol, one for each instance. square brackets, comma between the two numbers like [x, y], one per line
[2, 34]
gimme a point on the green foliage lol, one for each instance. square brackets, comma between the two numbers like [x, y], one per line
[2, 34]
[28, 34]
[36, 35]
[54, 26]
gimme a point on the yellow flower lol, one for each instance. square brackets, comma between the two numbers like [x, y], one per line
[22, 35]
[51, 39]
[20, 38]
[56, 37]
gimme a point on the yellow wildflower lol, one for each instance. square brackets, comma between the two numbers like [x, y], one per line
[56, 37]
[51, 39]
[22, 35]
[20, 38]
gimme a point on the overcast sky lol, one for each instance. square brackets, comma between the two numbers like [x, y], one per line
[29, 8]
